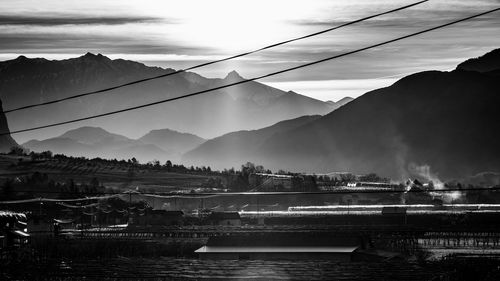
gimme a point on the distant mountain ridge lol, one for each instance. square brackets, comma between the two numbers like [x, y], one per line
[340, 102]
[168, 139]
[248, 106]
[96, 142]
[93, 135]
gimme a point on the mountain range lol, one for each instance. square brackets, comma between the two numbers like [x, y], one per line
[434, 124]
[253, 105]
[96, 142]
[442, 122]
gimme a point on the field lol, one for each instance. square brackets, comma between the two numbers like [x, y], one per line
[112, 175]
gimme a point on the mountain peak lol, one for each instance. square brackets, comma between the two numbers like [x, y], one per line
[233, 75]
[92, 56]
[91, 135]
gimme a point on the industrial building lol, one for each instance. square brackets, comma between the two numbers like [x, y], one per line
[269, 246]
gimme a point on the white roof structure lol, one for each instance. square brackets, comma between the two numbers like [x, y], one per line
[281, 249]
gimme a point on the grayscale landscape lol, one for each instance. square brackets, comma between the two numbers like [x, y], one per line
[249, 140]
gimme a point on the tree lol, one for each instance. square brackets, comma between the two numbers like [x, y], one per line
[348, 177]
[17, 150]
[46, 154]
[259, 169]
[134, 161]
[372, 177]
[168, 165]
[248, 168]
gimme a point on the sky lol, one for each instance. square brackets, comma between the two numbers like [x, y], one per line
[179, 34]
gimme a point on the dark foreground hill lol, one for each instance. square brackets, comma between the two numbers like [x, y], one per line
[6, 141]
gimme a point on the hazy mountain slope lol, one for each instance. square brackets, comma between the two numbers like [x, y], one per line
[6, 141]
[234, 149]
[443, 121]
[96, 142]
[344, 101]
[446, 120]
[61, 146]
[341, 102]
[172, 140]
[249, 106]
[92, 135]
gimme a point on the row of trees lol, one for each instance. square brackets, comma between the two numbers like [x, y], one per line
[236, 180]
[38, 184]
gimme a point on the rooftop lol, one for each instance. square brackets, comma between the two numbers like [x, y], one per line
[284, 240]
[289, 249]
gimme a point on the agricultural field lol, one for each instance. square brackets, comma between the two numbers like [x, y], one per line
[113, 175]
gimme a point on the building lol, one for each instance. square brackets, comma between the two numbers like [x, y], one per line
[268, 246]
[13, 233]
[224, 218]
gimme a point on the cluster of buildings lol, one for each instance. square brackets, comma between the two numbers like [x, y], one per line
[13, 232]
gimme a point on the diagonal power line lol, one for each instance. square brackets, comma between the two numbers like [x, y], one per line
[210, 62]
[255, 78]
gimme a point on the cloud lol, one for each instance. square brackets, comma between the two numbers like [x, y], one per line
[435, 10]
[173, 35]
[334, 89]
[82, 42]
[70, 19]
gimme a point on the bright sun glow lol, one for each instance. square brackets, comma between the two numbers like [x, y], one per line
[230, 25]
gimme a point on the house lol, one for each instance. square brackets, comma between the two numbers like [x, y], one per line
[224, 218]
[269, 246]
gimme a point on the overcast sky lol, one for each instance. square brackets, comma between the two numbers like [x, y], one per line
[179, 34]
